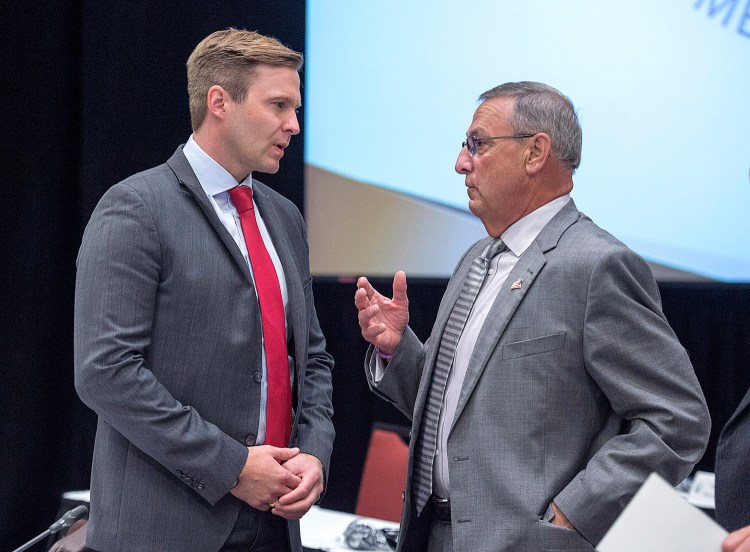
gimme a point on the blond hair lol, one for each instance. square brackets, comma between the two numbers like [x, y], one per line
[228, 58]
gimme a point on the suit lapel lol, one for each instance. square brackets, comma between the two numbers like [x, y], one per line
[190, 186]
[528, 267]
[740, 411]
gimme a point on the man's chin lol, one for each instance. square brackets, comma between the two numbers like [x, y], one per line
[270, 168]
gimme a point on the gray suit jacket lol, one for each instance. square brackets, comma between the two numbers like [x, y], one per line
[577, 389]
[733, 469]
[168, 353]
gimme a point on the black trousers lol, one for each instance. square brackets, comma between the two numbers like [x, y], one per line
[257, 531]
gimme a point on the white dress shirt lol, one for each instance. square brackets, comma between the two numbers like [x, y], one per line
[216, 181]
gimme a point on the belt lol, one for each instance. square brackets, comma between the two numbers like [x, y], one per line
[441, 508]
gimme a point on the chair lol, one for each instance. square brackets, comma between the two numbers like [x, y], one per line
[384, 475]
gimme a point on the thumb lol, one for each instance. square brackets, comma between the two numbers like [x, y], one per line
[399, 286]
[284, 454]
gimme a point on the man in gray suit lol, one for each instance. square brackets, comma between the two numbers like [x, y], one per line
[196, 337]
[552, 384]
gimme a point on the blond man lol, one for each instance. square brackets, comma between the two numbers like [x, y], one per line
[196, 338]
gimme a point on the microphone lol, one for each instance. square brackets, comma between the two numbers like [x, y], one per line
[68, 519]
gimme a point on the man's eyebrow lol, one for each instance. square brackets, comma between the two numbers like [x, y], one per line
[283, 98]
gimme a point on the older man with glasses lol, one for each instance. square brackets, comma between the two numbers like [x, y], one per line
[552, 384]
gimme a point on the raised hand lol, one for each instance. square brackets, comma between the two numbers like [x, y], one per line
[383, 320]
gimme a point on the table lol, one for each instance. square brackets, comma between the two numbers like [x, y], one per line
[321, 529]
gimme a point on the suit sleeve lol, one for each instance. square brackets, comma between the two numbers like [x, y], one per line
[400, 382]
[119, 267]
[315, 430]
[636, 360]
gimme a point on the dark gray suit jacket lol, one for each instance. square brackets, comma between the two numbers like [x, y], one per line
[576, 391]
[733, 469]
[168, 353]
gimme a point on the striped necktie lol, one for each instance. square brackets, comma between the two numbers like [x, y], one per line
[426, 446]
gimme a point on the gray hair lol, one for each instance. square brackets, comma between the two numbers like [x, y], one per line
[541, 108]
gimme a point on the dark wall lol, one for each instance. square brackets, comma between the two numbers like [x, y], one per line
[95, 91]
[92, 92]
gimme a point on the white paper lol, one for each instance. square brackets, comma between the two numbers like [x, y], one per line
[658, 519]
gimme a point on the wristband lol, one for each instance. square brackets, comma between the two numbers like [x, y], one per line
[384, 356]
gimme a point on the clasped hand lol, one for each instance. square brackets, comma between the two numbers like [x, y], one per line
[290, 480]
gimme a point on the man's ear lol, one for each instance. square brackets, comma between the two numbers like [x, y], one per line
[538, 153]
[217, 101]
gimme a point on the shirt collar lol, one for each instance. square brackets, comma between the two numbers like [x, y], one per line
[519, 236]
[213, 178]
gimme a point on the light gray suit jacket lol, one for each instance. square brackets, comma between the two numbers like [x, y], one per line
[168, 353]
[577, 389]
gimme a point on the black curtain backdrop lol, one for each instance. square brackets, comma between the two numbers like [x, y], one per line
[95, 91]
[92, 91]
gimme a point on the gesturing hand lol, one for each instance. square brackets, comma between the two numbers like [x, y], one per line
[383, 320]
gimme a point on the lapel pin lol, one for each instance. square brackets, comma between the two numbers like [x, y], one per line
[517, 284]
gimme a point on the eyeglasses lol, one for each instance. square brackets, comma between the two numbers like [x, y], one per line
[473, 143]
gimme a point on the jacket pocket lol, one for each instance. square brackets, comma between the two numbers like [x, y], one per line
[534, 346]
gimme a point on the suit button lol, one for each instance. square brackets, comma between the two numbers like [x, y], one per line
[200, 486]
[250, 440]
[403, 496]
[258, 377]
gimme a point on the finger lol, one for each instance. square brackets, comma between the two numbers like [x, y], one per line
[292, 512]
[285, 482]
[360, 299]
[259, 505]
[733, 540]
[284, 454]
[399, 286]
[365, 316]
[371, 332]
[280, 482]
[300, 493]
[297, 509]
[363, 283]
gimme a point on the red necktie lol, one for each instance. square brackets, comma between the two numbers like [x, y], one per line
[279, 402]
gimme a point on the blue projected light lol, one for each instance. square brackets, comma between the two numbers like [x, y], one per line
[662, 91]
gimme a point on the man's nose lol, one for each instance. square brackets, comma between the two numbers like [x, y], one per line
[292, 124]
[464, 163]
